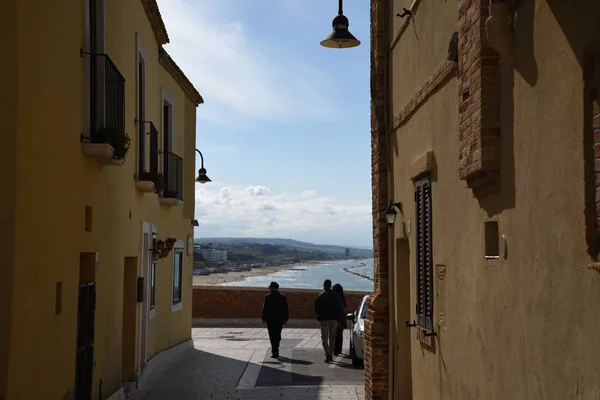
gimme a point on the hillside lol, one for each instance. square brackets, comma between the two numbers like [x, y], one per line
[286, 245]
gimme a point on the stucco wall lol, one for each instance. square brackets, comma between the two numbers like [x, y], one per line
[518, 327]
[57, 181]
[246, 302]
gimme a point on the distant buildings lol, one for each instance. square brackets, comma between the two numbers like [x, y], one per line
[213, 255]
[347, 252]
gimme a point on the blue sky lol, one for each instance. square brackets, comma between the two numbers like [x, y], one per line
[285, 128]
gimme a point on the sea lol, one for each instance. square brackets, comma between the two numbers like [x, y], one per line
[351, 274]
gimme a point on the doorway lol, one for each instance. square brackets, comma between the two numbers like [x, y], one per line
[129, 315]
[86, 316]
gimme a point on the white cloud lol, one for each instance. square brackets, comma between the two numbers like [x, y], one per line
[234, 70]
[258, 190]
[254, 211]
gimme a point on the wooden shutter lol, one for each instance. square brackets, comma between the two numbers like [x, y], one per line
[424, 259]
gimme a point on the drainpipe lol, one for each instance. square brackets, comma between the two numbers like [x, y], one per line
[497, 28]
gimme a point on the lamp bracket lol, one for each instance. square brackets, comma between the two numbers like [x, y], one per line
[404, 14]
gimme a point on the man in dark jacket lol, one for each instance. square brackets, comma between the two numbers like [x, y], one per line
[330, 314]
[275, 314]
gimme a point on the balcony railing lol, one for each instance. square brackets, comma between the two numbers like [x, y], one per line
[106, 79]
[147, 155]
[173, 171]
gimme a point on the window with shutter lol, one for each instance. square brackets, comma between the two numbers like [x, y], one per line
[424, 259]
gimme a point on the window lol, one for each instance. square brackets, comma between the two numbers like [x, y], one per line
[492, 240]
[424, 260]
[153, 285]
[141, 113]
[363, 312]
[177, 275]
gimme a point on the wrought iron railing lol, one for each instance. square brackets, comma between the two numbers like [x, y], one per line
[147, 155]
[106, 79]
[173, 175]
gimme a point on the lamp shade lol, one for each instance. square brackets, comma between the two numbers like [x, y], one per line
[202, 178]
[391, 213]
[340, 38]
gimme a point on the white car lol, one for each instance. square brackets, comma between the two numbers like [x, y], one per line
[357, 333]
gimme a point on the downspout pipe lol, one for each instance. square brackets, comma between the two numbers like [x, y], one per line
[497, 28]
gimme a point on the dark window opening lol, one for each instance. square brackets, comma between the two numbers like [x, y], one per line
[177, 275]
[492, 240]
[153, 285]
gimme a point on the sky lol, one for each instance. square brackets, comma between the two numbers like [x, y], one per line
[285, 127]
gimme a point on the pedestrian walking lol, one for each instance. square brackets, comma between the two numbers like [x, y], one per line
[275, 315]
[339, 335]
[330, 313]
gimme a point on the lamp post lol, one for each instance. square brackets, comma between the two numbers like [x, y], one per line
[202, 178]
[340, 38]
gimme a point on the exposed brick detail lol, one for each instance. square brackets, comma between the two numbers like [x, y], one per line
[377, 323]
[479, 100]
[433, 83]
[595, 126]
[592, 152]
[245, 302]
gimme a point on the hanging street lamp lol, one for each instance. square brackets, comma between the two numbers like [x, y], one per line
[340, 38]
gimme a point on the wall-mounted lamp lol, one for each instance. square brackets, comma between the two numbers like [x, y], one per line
[202, 178]
[391, 213]
[162, 248]
[195, 222]
[340, 38]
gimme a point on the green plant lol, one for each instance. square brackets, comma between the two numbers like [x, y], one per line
[159, 182]
[119, 141]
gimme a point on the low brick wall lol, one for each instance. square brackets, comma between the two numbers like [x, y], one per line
[246, 302]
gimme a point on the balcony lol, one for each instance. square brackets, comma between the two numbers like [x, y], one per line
[148, 179]
[108, 143]
[173, 180]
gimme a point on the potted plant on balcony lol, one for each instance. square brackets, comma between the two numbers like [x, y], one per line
[159, 182]
[119, 141]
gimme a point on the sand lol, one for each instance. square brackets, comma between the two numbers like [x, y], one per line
[215, 279]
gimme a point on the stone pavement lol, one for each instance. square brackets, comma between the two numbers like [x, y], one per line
[235, 363]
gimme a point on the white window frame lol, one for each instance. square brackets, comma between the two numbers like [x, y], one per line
[152, 311]
[179, 247]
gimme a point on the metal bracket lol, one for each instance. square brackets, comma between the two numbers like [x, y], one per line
[428, 333]
[404, 14]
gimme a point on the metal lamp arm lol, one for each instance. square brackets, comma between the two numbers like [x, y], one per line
[201, 156]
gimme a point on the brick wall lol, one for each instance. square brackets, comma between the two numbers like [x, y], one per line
[479, 99]
[246, 302]
[592, 154]
[376, 325]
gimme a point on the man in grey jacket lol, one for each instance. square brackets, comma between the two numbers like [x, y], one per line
[330, 314]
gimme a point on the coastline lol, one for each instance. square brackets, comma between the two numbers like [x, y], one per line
[236, 276]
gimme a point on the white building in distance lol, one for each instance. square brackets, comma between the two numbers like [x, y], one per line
[214, 255]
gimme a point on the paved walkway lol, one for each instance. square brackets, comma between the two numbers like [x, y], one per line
[234, 363]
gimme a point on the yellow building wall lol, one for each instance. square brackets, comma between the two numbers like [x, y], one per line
[515, 328]
[48, 212]
[57, 181]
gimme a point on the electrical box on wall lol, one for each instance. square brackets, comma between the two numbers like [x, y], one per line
[140, 289]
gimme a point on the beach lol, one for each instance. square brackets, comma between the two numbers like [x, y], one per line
[236, 276]
[352, 274]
